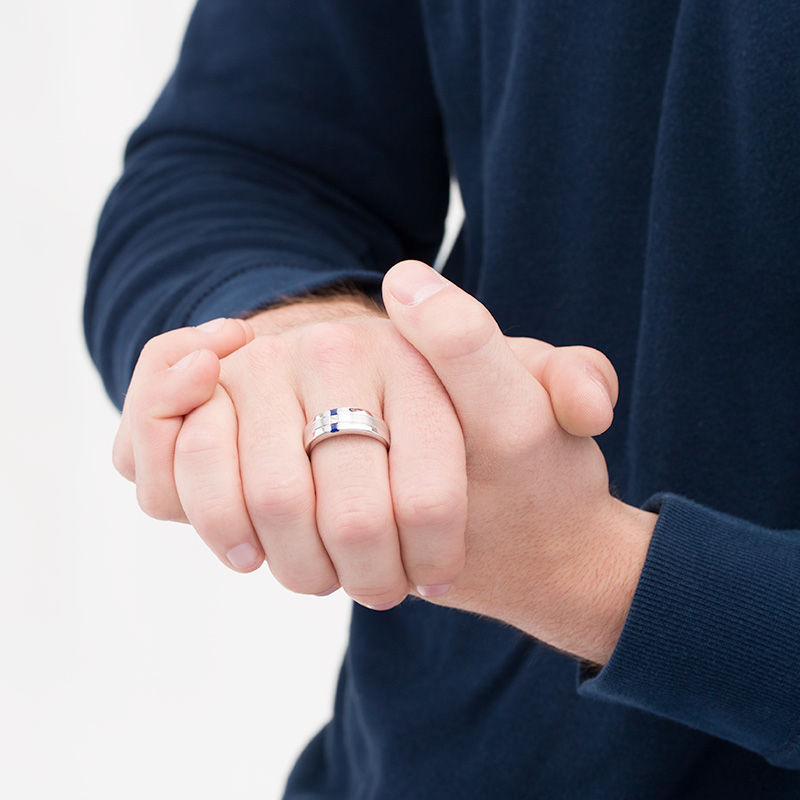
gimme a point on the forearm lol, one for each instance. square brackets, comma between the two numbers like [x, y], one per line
[270, 177]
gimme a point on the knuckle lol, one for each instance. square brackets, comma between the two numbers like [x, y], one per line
[354, 524]
[122, 459]
[152, 346]
[515, 443]
[430, 509]
[443, 570]
[155, 505]
[124, 466]
[304, 578]
[196, 440]
[261, 356]
[212, 511]
[466, 334]
[401, 352]
[280, 496]
[263, 350]
[582, 353]
[331, 344]
[156, 345]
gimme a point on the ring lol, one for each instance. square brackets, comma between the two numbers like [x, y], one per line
[344, 420]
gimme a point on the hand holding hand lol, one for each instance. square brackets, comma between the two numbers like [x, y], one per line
[548, 549]
[228, 457]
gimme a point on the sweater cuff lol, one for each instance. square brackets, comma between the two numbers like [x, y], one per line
[259, 285]
[712, 639]
[242, 284]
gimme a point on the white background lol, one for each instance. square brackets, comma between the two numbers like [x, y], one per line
[132, 663]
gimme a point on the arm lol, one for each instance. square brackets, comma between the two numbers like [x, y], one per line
[694, 613]
[712, 639]
[296, 146]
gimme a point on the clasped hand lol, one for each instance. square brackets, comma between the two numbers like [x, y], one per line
[491, 498]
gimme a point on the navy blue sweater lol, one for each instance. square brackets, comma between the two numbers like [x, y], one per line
[631, 178]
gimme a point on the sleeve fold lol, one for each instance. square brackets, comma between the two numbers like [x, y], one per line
[296, 146]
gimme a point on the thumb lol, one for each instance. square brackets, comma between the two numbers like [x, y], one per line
[463, 344]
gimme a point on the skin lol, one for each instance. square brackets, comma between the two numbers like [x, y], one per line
[541, 544]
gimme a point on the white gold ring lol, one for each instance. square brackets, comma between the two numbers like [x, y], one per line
[344, 420]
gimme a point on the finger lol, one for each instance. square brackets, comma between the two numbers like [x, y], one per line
[276, 474]
[351, 473]
[427, 468]
[122, 449]
[208, 484]
[221, 336]
[156, 415]
[464, 345]
[581, 382]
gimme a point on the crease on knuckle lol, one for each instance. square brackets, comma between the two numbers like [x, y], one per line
[156, 506]
[196, 440]
[518, 444]
[354, 525]
[583, 353]
[436, 510]
[281, 497]
[444, 570]
[466, 335]
[214, 510]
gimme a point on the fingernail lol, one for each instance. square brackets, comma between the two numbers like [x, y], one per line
[185, 361]
[418, 283]
[598, 378]
[329, 591]
[434, 590]
[212, 326]
[243, 556]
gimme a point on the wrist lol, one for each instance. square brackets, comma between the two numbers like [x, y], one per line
[325, 304]
[625, 533]
[590, 593]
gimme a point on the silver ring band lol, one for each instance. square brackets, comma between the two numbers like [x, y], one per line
[344, 420]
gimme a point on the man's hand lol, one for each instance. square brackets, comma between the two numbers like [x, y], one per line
[228, 456]
[176, 372]
[547, 549]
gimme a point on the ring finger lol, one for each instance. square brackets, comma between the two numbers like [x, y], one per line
[351, 472]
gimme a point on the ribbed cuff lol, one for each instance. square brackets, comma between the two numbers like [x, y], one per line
[712, 639]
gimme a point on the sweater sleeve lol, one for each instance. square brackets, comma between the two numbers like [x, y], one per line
[296, 146]
[712, 639]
